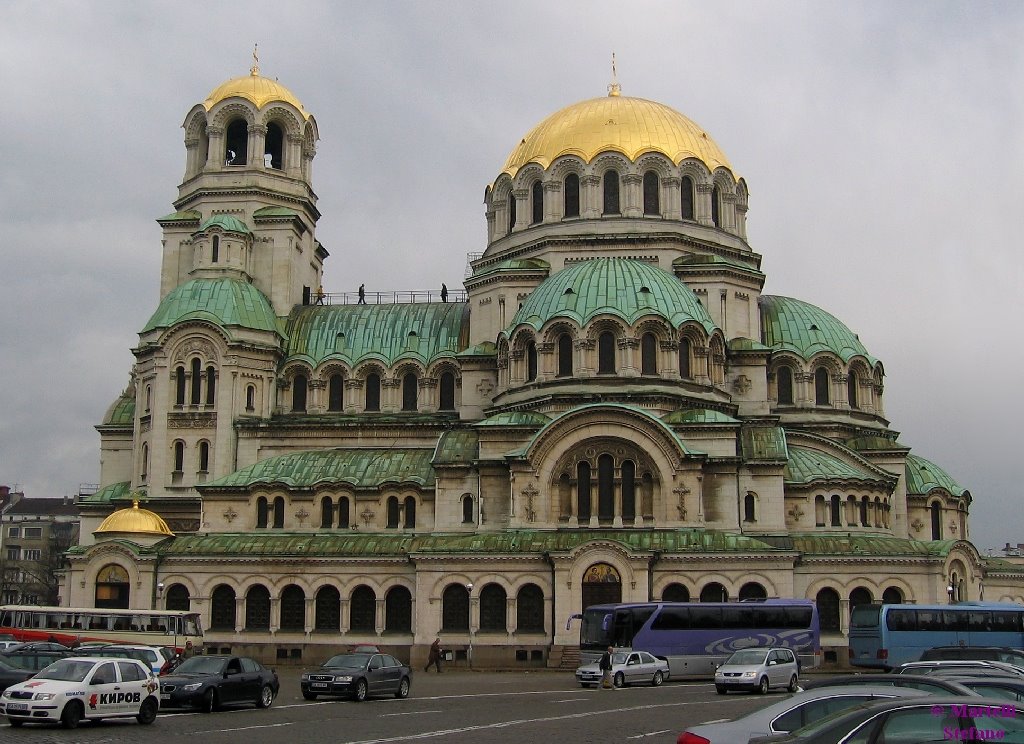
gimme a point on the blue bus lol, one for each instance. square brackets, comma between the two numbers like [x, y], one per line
[885, 636]
[694, 637]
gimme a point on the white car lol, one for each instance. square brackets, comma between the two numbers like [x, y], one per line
[628, 667]
[77, 688]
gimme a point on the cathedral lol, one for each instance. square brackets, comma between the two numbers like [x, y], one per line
[609, 410]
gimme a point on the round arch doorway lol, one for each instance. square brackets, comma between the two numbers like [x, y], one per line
[601, 585]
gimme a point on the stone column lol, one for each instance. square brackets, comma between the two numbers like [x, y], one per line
[628, 350]
[523, 211]
[590, 197]
[702, 203]
[670, 207]
[257, 144]
[552, 201]
[631, 204]
[215, 155]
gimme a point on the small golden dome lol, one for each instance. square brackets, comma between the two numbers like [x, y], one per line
[256, 88]
[631, 126]
[135, 520]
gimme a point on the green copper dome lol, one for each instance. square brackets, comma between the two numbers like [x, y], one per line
[924, 476]
[802, 328]
[226, 302]
[122, 411]
[612, 286]
[225, 222]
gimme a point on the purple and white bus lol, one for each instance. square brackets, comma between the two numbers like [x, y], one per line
[694, 637]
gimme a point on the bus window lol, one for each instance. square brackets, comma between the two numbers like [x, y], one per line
[738, 617]
[901, 619]
[770, 616]
[797, 617]
[865, 616]
[930, 620]
[706, 617]
[1006, 622]
[954, 620]
[672, 618]
[979, 622]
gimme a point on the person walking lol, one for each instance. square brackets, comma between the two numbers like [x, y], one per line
[435, 656]
[605, 665]
[362, 295]
[444, 292]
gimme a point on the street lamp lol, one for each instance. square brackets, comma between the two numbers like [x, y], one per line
[469, 655]
[949, 590]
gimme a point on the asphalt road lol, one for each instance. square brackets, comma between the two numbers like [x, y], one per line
[458, 706]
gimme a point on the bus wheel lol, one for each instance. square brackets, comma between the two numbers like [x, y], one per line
[794, 684]
[720, 689]
[762, 688]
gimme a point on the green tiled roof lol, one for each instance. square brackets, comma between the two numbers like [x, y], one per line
[122, 410]
[423, 331]
[923, 476]
[698, 416]
[188, 215]
[870, 443]
[225, 222]
[359, 468]
[763, 443]
[107, 494]
[614, 286]
[484, 349]
[226, 302]
[807, 465]
[868, 545]
[516, 418]
[625, 407]
[516, 264]
[275, 212]
[746, 344]
[806, 330]
[457, 447]
[708, 259]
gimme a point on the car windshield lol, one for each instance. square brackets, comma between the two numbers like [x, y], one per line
[750, 656]
[348, 661]
[202, 665]
[66, 670]
[618, 658]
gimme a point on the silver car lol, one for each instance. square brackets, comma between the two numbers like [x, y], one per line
[758, 669]
[628, 667]
[791, 713]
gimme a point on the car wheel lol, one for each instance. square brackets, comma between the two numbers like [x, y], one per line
[361, 690]
[209, 701]
[794, 684]
[619, 680]
[72, 714]
[658, 679]
[762, 688]
[403, 689]
[147, 713]
[309, 695]
[720, 689]
[266, 698]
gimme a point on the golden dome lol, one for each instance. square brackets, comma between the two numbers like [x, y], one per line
[256, 88]
[135, 520]
[631, 126]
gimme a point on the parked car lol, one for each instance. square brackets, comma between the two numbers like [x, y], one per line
[35, 656]
[628, 667]
[153, 656]
[208, 682]
[358, 676]
[930, 718]
[959, 667]
[758, 669]
[973, 653]
[789, 714]
[10, 675]
[77, 688]
[931, 683]
[1006, 688]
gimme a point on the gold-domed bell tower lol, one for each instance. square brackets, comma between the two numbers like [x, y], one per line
[249, 155]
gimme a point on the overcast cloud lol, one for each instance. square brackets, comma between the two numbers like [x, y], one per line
[881, 141]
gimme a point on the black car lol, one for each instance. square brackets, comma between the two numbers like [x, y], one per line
[208, 682]
[1010, 688]
[970, 653]
[358, 676]
[932, 684]
[12, 675]
[34, 656]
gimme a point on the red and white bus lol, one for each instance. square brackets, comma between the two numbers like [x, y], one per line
[74, 625]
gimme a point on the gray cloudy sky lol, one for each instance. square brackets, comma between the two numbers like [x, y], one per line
[882, 143]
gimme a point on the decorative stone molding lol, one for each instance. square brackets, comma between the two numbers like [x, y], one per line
[192, 420]
[741, 385]
[230, 515]
[530, 492]
[917, 524]
[199, 346]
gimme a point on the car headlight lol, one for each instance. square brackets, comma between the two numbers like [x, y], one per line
[44, 696]
[305, 677]
[191, 687]
[6, 694]
[344, 678]
[748, 675]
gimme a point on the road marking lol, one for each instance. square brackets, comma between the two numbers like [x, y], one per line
[410, 713]
[569, 700]
[653, 733]
[245, 728]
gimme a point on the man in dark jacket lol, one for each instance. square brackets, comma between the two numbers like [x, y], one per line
[605, 665]
[435, 656]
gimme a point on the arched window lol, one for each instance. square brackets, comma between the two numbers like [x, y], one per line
[179, 386]
[211, 386]
[178, 598]
[250, 398]
[714, 592]
[565, 355]
[628, 491]
[299, 385]
[859, 596]
[611, 192]
[864, 501]
[511, 211]
[455, 608]
[716, 196]
[257, 608]
[179, 456]
[196, 383]
[686, 198]
[821, 391]
[327, 609]
[149, 397]
[398, 610]
[326, 514]
[749, 507]
[836, 511]
[279, 513]
[606, 353]
[784, 379]
[583, 491]
[675, 593]
[530, 609]
[222, 609]
[827, 601]
[652, 195]
[936, 515]
[336, 393]
[216, 249]
[372, 401]
[410, 386]
[684, 359]
[851, 389]
[113, 587]
[467, 509]
[648, 354]
[892, 595]
[571, 196]
[273, 151]
[204, 457]
[236, 143]
[363, 609]
[531, 361]
[343, 516]
[393, 512]
[261, 512]
[537, 202]
[293, 608]
[752, 590]
[819, 511]
[447, 392]
[493, 608]
[410, 513]
[605, 487]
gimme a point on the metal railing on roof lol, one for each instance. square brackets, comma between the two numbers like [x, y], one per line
[388, 298]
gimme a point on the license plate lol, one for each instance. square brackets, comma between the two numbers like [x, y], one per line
[17, 706]
[165, 696]
[319, 684]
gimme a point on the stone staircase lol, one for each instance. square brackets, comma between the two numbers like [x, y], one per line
[564, 657]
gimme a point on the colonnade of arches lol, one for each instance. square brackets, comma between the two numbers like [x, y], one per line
[827, 382]
[399, 512]
[370, 390]
[835, 511]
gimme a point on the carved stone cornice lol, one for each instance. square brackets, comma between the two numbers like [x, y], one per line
[192, 420]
